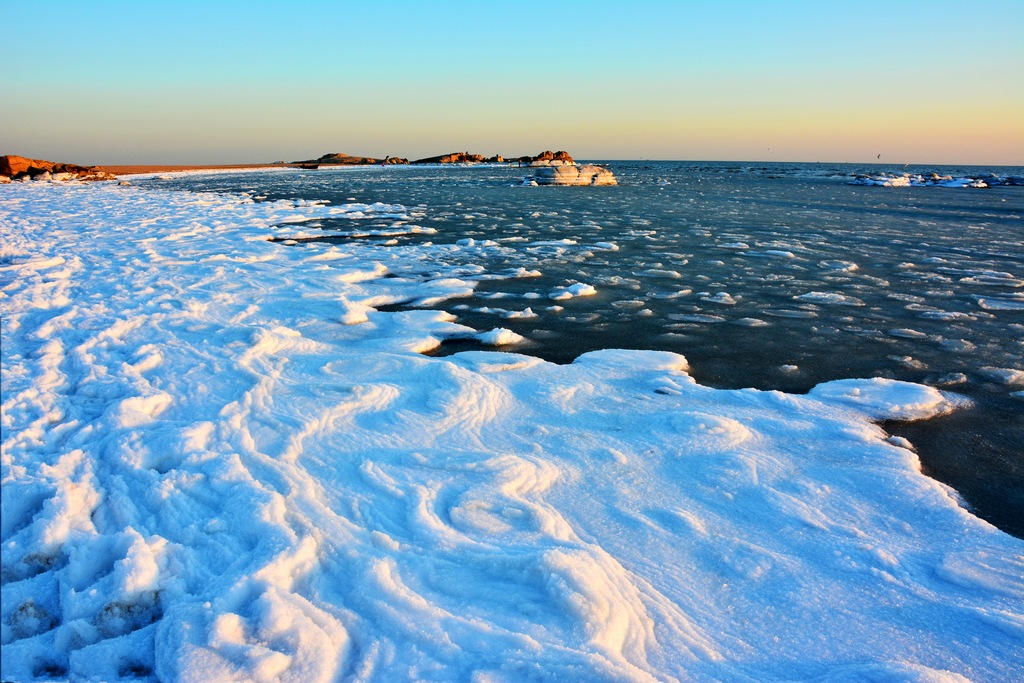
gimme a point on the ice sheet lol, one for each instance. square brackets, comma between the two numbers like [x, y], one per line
[222, 462]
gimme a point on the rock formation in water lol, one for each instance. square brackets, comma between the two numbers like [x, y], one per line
[454, 158]
[20, 168]
[587, 174]
[547, 158]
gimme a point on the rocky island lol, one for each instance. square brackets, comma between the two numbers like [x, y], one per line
[572, 174]
[546, 158]
[552, 168]
[340, 159]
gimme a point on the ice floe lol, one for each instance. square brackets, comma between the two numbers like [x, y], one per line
[889, 179]
[572, 291]
[829, 298]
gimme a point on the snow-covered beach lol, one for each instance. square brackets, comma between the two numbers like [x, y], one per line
[221, 462]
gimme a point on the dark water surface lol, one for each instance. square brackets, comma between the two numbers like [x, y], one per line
[769, 276]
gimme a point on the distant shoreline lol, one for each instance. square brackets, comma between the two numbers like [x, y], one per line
[171, 168]
[138, 169]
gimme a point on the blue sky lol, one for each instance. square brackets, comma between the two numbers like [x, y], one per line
[184, 82]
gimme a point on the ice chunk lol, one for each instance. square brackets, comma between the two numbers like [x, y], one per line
[1008, 376]
[578, 289]
[500, 336]
[831, 298]
[885, 399]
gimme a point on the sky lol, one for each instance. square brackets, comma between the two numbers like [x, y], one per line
[256, 81]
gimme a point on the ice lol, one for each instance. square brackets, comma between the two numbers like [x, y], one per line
[887, 179]
[520, 315]
[886, 399]
[839, 266]
[723, 298]
[958, 345]
[572, 291]
[225, 459]
[697, 317]
[1001, 304]
[1010, 376]
[829, 298]
[771, 253]
[907, 333]
[500, 336]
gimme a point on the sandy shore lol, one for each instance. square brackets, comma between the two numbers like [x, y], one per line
[151, 168]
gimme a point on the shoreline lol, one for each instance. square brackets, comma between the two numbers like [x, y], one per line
[136, 169]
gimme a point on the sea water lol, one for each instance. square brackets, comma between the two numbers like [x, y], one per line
[774, 276]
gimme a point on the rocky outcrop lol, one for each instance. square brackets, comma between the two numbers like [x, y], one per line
[549, 158]
[454, 158]
[552, 168]
[339, 159]
[22, 168]
[588, 174]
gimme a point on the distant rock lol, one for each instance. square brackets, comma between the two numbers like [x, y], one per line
[546, 158]
[454, 158]
[22, 168]
[339, 159]
[549, 158]
[588, 174]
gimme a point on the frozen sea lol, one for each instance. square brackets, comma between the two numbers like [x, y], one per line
[735, 422]
[774, 276]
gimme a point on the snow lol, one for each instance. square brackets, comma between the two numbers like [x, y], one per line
[886, 399]
[500, 336]
[572, 291]
[221, 462]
